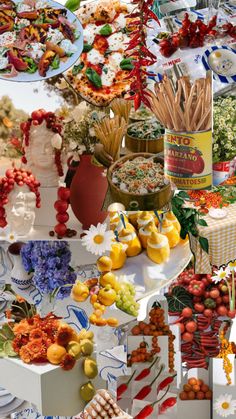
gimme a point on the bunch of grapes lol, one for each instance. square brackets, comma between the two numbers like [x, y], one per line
[126, 299]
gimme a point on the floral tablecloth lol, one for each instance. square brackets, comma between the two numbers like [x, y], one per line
[221, 235]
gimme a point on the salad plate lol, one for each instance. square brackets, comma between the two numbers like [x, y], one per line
[46, 40]
[193, 16]
[222, 61]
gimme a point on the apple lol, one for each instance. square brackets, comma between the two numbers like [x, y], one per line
[63, 193]
[61, 206]
[62, 217]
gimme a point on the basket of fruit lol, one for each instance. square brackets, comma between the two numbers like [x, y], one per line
[139, 178]
[145, 136]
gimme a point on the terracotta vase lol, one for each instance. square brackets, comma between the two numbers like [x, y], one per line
[88, 191]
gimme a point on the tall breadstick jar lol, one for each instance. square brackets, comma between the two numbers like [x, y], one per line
[188, 159]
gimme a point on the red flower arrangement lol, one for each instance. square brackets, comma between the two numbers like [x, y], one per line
[138, 51]
[53, 123]
[18, 177]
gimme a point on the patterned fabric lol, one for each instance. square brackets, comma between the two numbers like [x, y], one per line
[221, 235]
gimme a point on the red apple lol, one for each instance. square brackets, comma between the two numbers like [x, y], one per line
[63, 217]
[63, 193]
[60, 229]
[61, 206]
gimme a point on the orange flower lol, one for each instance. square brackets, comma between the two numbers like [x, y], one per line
[36, 334]
[37, 349]
[25, 354]
[68, 362]
[64, 335]
[22, 328]
[8, 314]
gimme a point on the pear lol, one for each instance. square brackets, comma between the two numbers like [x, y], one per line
[86, 347]
[87, 391]
[90, 367]
[74, 349]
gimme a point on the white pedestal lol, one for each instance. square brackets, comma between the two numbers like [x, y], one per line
[51, 389]
[46, 214]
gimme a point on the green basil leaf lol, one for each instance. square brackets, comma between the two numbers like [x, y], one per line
[126, 64]
[72, 5]
[179, 299]
[32, 67]
[105, 70]
[202, 222]
[106, 30]
[107, 52]
[183, 194]
[94, 77]
[87, 47]
[77, 68]
[55, 63]
[204, 243]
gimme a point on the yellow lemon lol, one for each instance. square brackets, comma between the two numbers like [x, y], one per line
[118, 255]
[145, 232]
[132, 241]
[55, 353]
[171, 233]
[158, 249]
[172, 218]
[104, 264]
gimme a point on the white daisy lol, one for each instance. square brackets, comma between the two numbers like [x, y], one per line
[220, 275]
[97, 240]
[232, 266]
[8, 235]
[224, 405]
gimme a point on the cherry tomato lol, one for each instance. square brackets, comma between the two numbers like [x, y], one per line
[187, 312]
[191, 327]
[187, 337]
[199, 307]
[222, 310]
[214, 293]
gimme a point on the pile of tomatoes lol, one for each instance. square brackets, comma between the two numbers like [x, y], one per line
[192, 34]
[209, 299]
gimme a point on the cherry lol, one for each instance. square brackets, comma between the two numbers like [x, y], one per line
[63, 217]
[63, 193]
[60, 229]
[61, 206]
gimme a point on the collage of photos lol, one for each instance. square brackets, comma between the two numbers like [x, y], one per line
[117, 209]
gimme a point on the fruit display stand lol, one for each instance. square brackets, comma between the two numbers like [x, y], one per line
[196, 408]
[52, 390]
[140, 271]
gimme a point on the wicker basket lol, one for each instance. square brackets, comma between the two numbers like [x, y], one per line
[148, 201]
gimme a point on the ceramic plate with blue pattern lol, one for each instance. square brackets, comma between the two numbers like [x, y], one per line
[222, 61]
[193, 15]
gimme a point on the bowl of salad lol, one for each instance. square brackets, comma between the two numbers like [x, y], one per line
[38, 39]
[142, 114]
[138, 178]
[145, 136]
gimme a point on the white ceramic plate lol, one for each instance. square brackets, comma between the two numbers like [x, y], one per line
[218, 213]
[222, 61]
[193, 16]
[26, 77]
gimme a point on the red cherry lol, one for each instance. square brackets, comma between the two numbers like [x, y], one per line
[60, 229]
[61, 206]
[63, 217]
[9, 173]
[2, 212]
[63, 193]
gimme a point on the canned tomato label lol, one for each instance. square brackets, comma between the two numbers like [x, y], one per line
[188, 159]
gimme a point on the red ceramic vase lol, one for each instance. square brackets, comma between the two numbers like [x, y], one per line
[88, 190]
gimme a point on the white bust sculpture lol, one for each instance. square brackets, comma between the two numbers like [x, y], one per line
[40, 154]
[20, 210]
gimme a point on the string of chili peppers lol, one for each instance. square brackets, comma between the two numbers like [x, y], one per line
[138, 51]
[53, 123]
[225, 350]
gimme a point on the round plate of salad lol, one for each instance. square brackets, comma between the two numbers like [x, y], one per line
[38, 39]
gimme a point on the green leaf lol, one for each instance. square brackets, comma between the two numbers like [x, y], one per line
[204, 243]
[77, 68]
[202, 222]
[87, 47]
[7, 331]
[72, 5]
[189, 212]
[179, 299]
[126, 64]
[106, 30]
[55, 63]
[183, 194]
[32, 67]
[94, 77]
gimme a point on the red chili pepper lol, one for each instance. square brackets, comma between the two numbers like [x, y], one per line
[123, 387]
[147, 389]
[166, 382]
[147, 410]
[144, 373]
[170, 402]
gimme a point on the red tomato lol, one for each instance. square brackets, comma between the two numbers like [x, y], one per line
[199, 165]
[95, 67]
[187, 312]
[100, 43]
[191, 327]
[187, 337]
[199, 307]
[222, 310]
[214, 293]
[208, 312]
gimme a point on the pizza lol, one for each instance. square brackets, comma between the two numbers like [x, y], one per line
[102, 71]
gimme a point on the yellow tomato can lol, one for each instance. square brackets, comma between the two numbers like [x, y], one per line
[188, 159]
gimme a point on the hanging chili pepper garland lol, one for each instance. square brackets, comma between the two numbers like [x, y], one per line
[137, 49]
